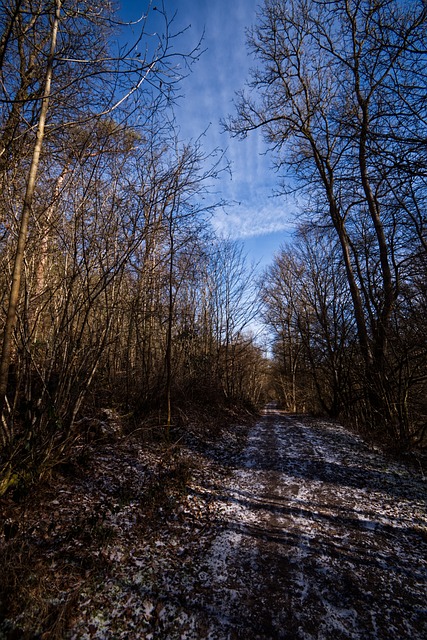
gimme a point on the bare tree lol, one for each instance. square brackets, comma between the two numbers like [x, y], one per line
[60, 72]
[332, 94]
[232, 287]
[26, 208]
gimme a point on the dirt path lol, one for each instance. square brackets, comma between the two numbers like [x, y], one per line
[311, 536]
[321, 538]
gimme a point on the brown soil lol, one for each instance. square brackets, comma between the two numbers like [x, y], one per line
[305, 533]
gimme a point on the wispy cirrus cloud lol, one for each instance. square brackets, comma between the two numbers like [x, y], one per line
[250, 220]
[208, 94]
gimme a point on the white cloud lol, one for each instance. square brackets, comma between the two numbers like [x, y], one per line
[209, 92]
[221, 70]
[250, 220]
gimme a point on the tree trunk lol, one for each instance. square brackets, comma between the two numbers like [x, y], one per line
[23, 230]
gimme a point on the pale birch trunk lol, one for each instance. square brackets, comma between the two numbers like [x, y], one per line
[6, 432]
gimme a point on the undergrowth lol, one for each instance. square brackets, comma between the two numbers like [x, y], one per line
[59, 536]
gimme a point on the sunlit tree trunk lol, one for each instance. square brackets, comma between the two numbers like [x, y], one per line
[23, 229]
[339, 93]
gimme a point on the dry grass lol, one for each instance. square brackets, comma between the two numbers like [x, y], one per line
[57, 538]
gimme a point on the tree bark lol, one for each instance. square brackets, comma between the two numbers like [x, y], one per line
[23, 230]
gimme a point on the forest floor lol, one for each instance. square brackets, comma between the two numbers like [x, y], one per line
[291, 528]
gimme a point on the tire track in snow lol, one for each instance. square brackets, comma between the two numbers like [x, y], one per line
[320, 538]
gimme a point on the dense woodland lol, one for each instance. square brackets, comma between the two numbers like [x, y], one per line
[115, 292]
[340, 92]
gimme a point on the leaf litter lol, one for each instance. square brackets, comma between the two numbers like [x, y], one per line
[304, 532]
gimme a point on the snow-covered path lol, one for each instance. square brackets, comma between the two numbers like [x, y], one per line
[308, 535]
[319, 538]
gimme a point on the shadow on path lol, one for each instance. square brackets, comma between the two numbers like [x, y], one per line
[326, 531]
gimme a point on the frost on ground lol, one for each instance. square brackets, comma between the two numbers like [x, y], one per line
[312, 535]
[306, 534]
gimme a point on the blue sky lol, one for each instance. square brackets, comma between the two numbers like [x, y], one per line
[254, 216]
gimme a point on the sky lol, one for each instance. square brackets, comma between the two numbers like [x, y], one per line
[254, 216]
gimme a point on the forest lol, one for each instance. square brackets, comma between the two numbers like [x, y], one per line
[116, 295]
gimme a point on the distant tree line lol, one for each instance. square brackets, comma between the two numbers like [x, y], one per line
[340, 93]
[113, 289]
